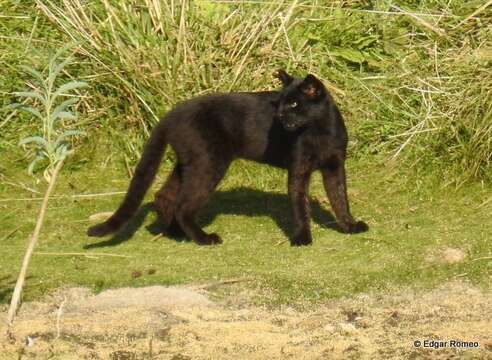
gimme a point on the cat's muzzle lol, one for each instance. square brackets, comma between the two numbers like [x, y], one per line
[286, 124]
[290, 125]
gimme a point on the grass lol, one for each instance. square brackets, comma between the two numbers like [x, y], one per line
[409, 229]
[413, 81]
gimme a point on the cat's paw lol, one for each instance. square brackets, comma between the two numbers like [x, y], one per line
[357, 227]
[301, 239]
[210, 239]
[175, 231]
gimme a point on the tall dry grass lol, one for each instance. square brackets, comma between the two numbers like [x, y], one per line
[412, 78]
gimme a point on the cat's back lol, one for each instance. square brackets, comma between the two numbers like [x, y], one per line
[227, 110]
[238, 123]
[225, 104]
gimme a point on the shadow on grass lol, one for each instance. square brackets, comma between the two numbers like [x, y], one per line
[239, 201]
[127, 231]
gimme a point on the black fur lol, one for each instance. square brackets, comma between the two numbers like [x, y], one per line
[298, 128]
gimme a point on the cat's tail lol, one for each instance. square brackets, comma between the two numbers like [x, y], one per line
[142, 179]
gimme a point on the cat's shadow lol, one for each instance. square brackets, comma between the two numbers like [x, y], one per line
[239, 201]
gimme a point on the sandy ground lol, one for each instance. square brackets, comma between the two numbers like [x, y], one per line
[184, 323]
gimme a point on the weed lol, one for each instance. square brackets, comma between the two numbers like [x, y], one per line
[50, 146]
[53, 143]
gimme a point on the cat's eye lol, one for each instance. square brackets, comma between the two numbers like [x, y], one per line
[293, 104]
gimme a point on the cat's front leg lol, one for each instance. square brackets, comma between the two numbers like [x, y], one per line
[335, 184]
[298, 192]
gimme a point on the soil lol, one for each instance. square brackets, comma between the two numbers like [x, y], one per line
[179, 323]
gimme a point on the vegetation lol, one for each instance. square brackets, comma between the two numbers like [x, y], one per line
[50, 146]
[412, 79]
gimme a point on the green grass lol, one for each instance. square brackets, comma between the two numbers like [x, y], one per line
[409, 226]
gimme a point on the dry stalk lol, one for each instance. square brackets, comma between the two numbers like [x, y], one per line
[158, 236]
[419, 127]
[59, 313]
[284, 21]
[253, 39]
[484, 203]
[482, 258]
[12, 114]
[475, 13]
[111, 193]
[426, 24]
[9, 234]
[14, 304]
[90, 255]
[215, 284]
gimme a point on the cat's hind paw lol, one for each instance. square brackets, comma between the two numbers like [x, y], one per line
[301, 239]
[211, 239]
[357, 227]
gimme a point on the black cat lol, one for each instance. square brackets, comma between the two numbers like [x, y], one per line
[299, 129]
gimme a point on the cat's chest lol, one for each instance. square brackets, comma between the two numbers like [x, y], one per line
[320, 149]
[278, 146]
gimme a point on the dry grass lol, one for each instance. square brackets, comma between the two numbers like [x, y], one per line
[415, 86]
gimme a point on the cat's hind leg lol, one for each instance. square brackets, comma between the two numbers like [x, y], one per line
[165, 202]
[199, 180]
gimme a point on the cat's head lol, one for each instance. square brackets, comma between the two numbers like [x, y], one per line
[302, 101]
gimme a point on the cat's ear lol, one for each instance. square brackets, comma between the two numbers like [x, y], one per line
[285, 78]
[312, 87]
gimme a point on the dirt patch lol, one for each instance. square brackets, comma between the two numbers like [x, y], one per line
[151, 297]
[446, 255]
[181, 323]
[453, 256]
